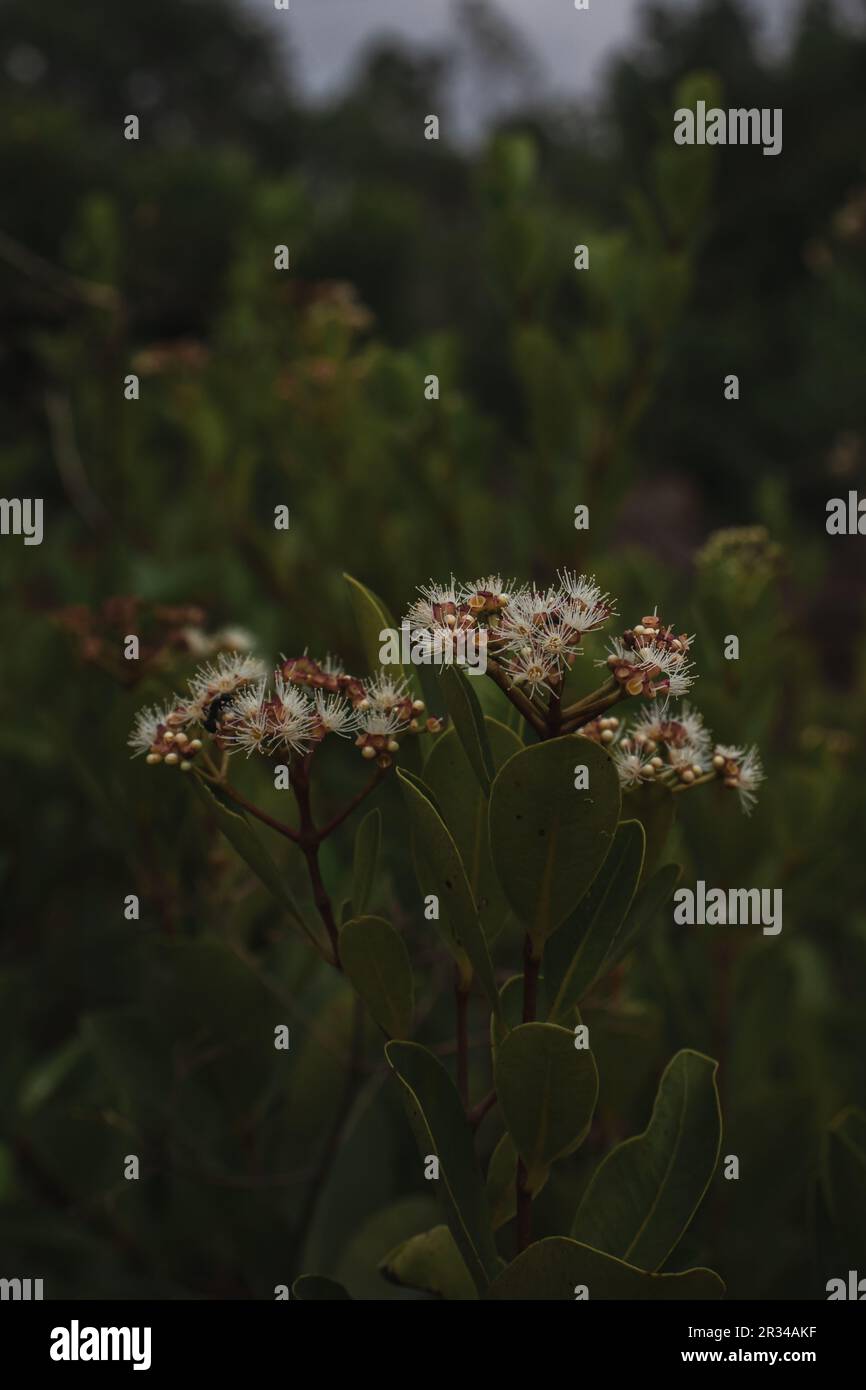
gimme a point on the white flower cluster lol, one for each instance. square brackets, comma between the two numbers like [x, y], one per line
[231, 700]
[674, 747]
[535, 633]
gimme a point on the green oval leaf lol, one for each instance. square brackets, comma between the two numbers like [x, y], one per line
[465, 711]
[463, 807]
[440, 1127]
[577, 953]
[643, 1196]
[553, 1269]
[430, 1262]
[376, 961]
[367, 840]
[549, 840]
[547, 1090]
[458, 915]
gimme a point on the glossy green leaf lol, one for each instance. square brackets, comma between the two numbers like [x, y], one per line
[462, 704]
[547, 1090]
[440, 1127]
[643, 1196]
[648, 901]
[577, 953]
[248, 844]
[463, 808]
[315, 1288]
[549, 840]
[376, 961]
[430, 1262]
[458, 919]
[555, 1268]
[655, 808]
[367, 840]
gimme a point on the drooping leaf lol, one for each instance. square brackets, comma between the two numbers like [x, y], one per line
[462, 704]
[458, 915]
[556, 1268]
[366, 855]
[548, 839]
[547, 1090]
[249, 845]
[576, 954]
[430, 1262]
[643, 1196]
[463, 808]
[376, 961]
[315, 1288]
[440, 1127]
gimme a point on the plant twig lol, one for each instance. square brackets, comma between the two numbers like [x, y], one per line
[517, 697]
[240, 800]
[347, 810]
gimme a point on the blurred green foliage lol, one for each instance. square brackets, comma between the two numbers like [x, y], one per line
[261, 387]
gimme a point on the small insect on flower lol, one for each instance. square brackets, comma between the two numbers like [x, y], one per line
[215, 709]
[741, 770]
